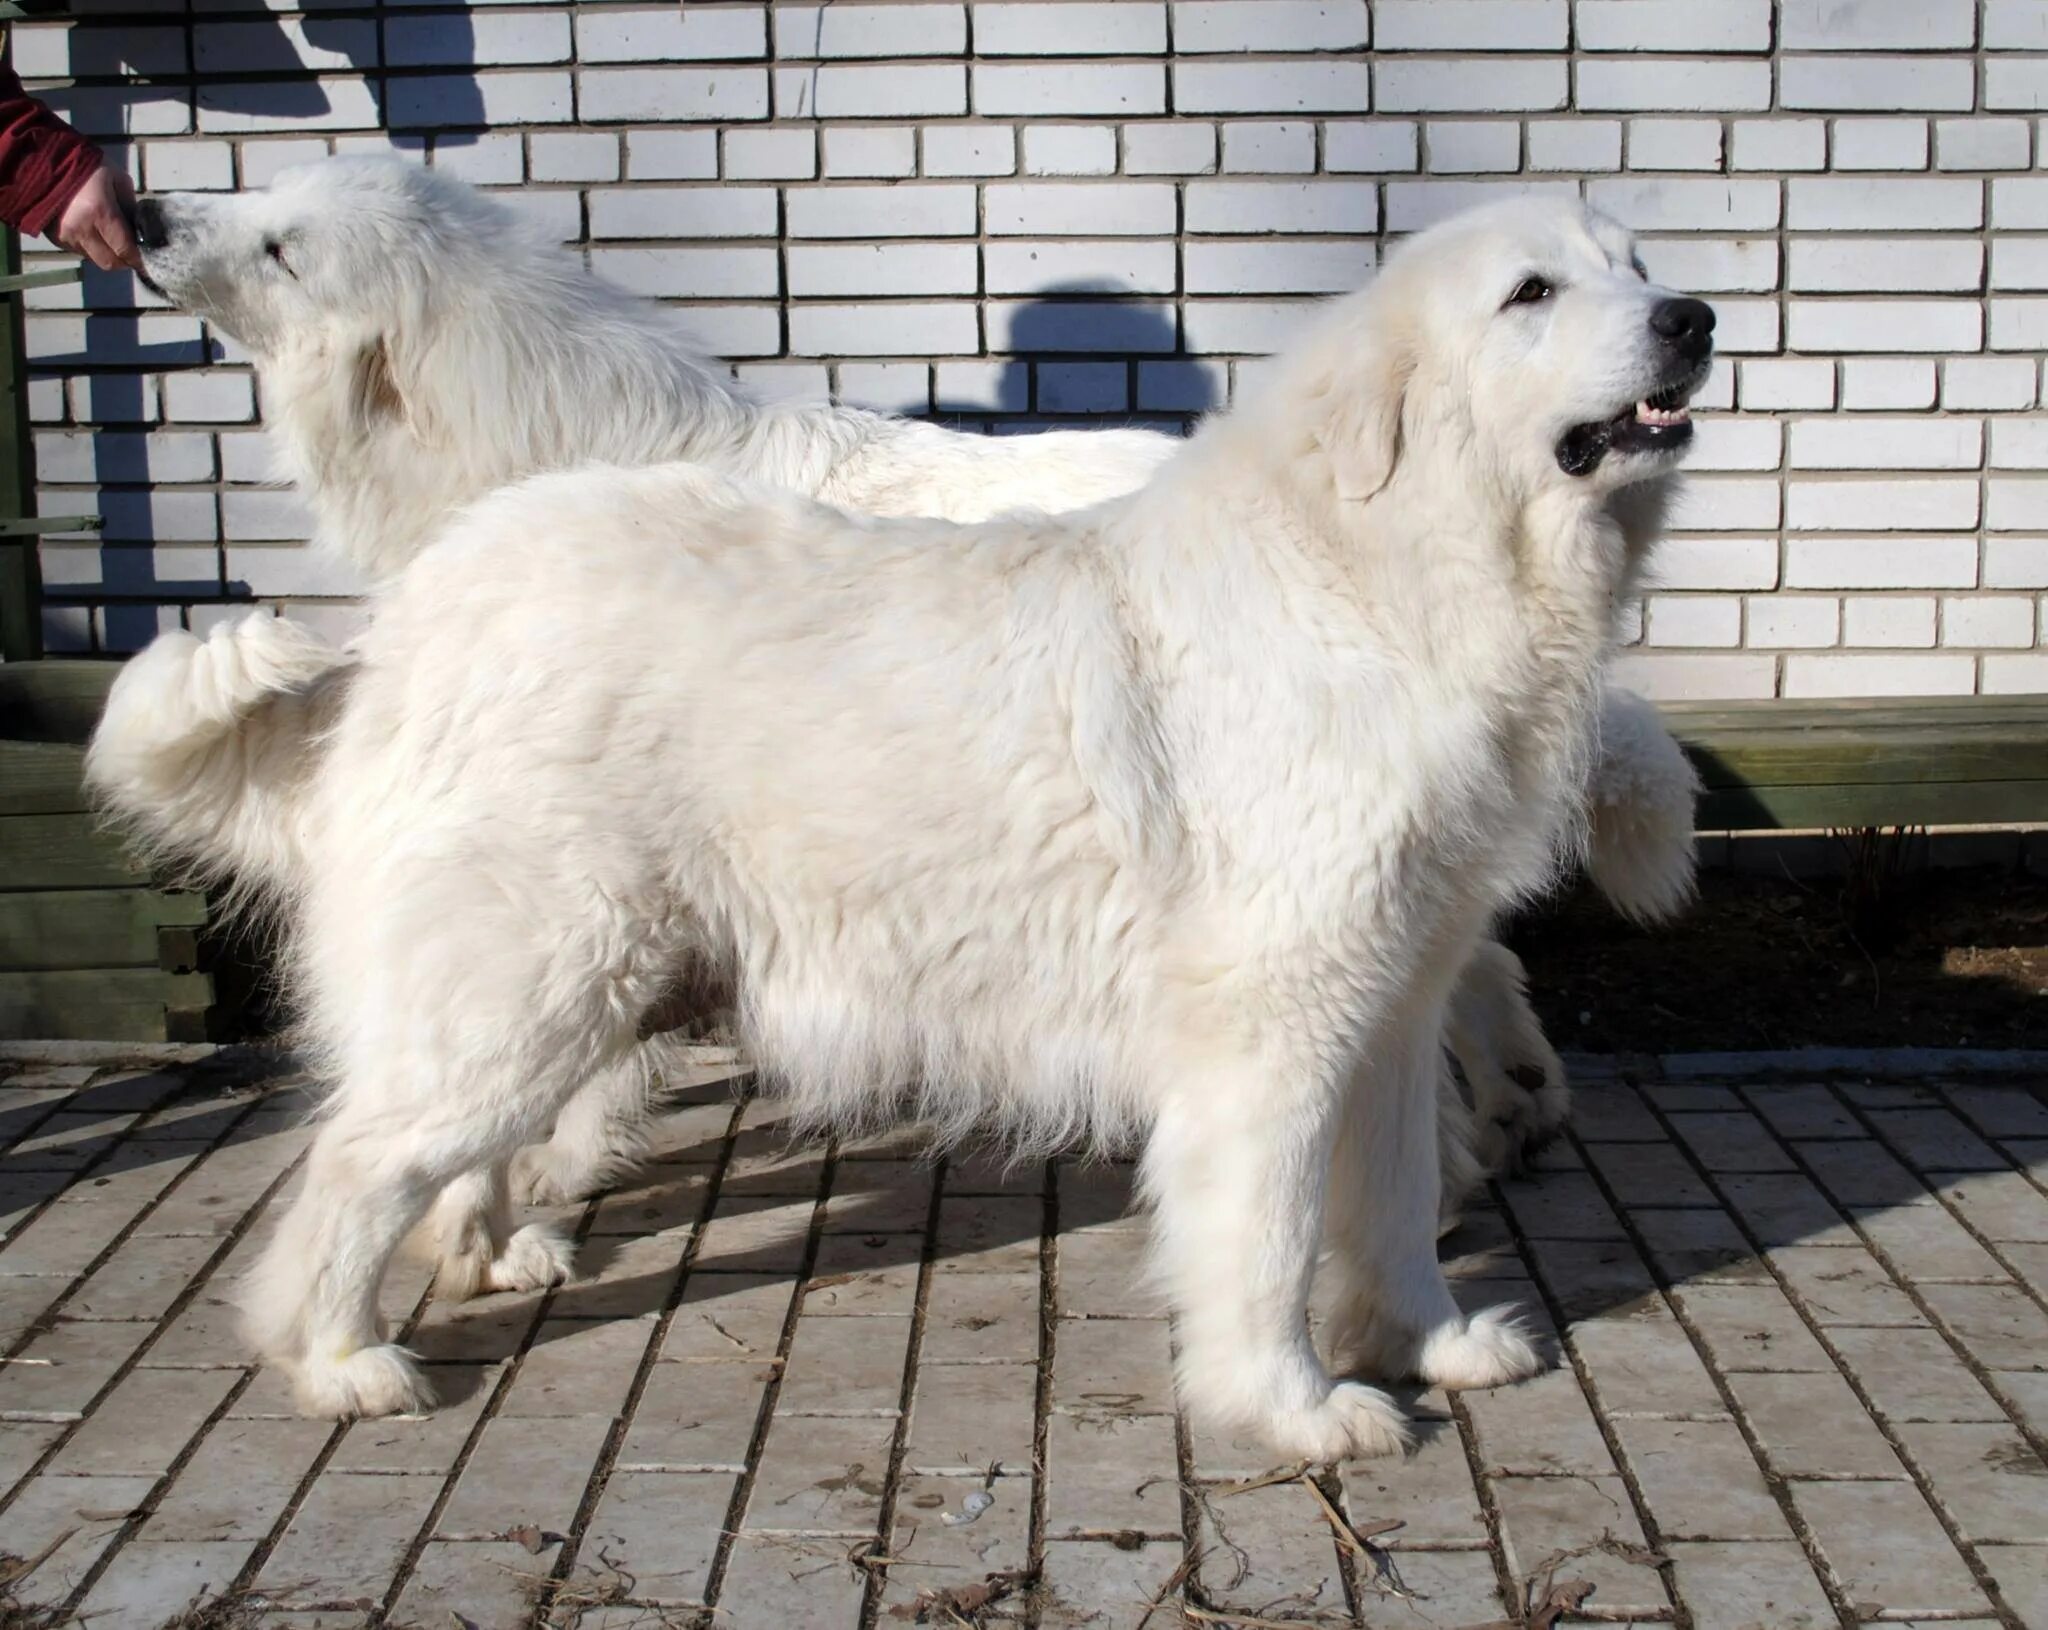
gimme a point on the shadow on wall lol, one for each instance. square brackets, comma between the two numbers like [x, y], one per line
[1078, 353]
[264, 68]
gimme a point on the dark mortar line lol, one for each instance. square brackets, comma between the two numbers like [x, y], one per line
[1652, 1533]
[608, 1454]
[1041, 1399]
[899, 1446]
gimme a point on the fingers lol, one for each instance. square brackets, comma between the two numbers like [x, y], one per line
[95, 223]
[118, 241]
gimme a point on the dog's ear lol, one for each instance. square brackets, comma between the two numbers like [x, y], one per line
[1359, 426]
[373, 394]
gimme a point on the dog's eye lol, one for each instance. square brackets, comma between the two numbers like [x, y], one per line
[275, 250]
[1530, 291]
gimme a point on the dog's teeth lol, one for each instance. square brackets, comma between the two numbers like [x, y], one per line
[1647, 414]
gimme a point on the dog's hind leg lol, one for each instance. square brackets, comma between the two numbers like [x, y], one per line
[1393, 1317]
[1520, 1099]
[479, 1250]
[1234, 1170]
[601, 1135]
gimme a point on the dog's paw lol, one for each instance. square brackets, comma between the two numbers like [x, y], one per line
[1352, 1419]
[1490, 1350]
[370, 1381]
[1521, 1109]
[545, 1175]
[534, 1258]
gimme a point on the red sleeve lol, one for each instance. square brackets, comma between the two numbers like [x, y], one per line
[43, 161]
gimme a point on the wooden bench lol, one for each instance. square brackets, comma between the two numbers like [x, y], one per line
[91, 946]
[1906, 761]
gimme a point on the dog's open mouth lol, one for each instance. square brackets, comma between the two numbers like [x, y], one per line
[1659, 423]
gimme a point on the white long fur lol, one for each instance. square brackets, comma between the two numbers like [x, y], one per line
[1181, 815]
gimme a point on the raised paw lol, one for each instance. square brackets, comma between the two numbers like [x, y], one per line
[545, 1175]
[370, 1381]
[1352, 1419]
[1489, 1350]
[1519, 1110]
[534, 1258]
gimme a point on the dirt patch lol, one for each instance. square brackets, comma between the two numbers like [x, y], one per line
[1937, 959]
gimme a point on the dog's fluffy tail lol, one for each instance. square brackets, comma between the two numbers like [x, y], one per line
[1640, 849]
[206, 744]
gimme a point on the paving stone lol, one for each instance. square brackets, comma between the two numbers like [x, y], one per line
[1786, 1208]
[25, 1193]
[1935, 1140]
[347, 1540]
[59, 1372]
[1813, 1426]
[822, 1475]
[1844, 1287]
[486, 1584]
[845, 1367]
[988, 1169]
[1097, 1194]
[223, 1188]
[145, 1423]
[1923, 1242]
[1862, 1173]
[1645, 1367]
[696, 1417]
[577, 1367]
[988, 1234]
[781, 1581]
[1113, 1366]
[1886, 1550]
[2028, 1393]
[24, 1299]
[1545, 1517]
[2021, 1574]
[765, 1235]
[68, 1141]
[858, 1275]
[22, 1444]
[1804, 1112]
[1759, 1585]
[81, 1516]
[1914, 1375]
[419, 1443]
[729, 1316]
[1430, 1489]
[152, 1581]
[65, 1240]
[658, 1530]
[1538, 1427]
[1111, 1474]
[2029, 1264]
[621, 1278]
[240, 1480]
[1649, 1174]
[2001, 1206]
[938, 1555]
[1696, 1244]
[982, 1318]
[969, 1416]
[1991, 1484]
[1700, 1480]
[2001, 1111]
[481, 1332]
[1269, 1549]
[1088, 1585]
[524, 1471]
[1612, 1112]
[142, 1278]
[1446, 1590]
[664, 1199]
[1752, 1327]
[879, 1197]
[1732, 1141]
[1999, 1327]
[1101, 1273]
[1562, 1205]
[1593, 1279]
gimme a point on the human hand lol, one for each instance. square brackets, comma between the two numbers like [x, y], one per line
[95, 223]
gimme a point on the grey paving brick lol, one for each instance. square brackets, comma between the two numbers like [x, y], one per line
[65, 1239]
[1805, 1112]
[1593, 1279]
[1612, 1112]
[1645, 1367]
[864, 1274]
[767, 1234]
[776, 1581]
[822, 1475]
[1109, 1474]
[1862, 1173]
[1539, 1427]
[935, 1555]
[152, 1580]
[879, 1197]
[1813, 1426]
[1785, 1208]
[418, 1443]
[141, 1279]
[668, 1197]
[25, 1299]
[969, 1416]
[977, 1318]
[1588, 1520]
[1767, 1585]
[1998, 1205]
[58, 1373]
[22, 1444]
[524, 1471]
[729, 1316]
[988, 1234]
[1935, 1140]
[1985, 1477]
[658, 1530]
[1429, 1490]
[1700, 1480]
[1752, 1327]
[1914, 1375]
[623, 1278]
[482, 1332]
[80, 1517]
[1100, 1273]
[145, 1423]
[1698, 1245]
[1652, 1174]
[696, 1417]
[485, 1583]
[1097, 1194]
[579, 1367]
[1562, 1205]
[1999, 1327]
[1092, 1583]
[1732, 1141]
[2001, 1111]
[2027, 1391]
[1269, 1548]
[1922, 1242]
[845, 1367]
[346, 1542]
[1113, 1366]
[240, 1480]
[1844, 1287]
[2021, 1574]
[1886, 1550]
[1447, 1590]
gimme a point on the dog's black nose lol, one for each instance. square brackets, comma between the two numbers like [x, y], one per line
[1687, 324]
[152, 231]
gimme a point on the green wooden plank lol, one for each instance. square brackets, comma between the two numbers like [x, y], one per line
[1849, 759]
[1893, 803]
[53, 700]
[1883, 712]
[103, 1004]
[63, 852]
[41, 778]
[97, 928]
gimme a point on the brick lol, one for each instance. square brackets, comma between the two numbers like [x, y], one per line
[2015, 84]
[1674, 144]
[1118, 90]
[1841, 204]
[1644, 1366]
[953, 150]
[1270, 87]
[668, 1523]
[871, 152]
[896, 91]
[1779, 144]
[1888, 444]
[435, 101]
[1574, 144]
[770, 155]
[1280, 206]
[1701, 1480]
[1111, 1474]
[1333, 266]
[2015, 25]
[1543, 1517]
[1269, 147]
[286, 45]
[496, 38]
[1903, 264]
[1431, 1489]
[1277, 1543]
[1686, 205]
[1752, 1327]
[1480, 25]
[1169, 149]
[1425, 86]
[1741, 1586]
[1886, 1548]
[1822, 505]
[1887, 384]
[1980, 144]
[834, 30]
[1620, 85]
[1879, 676]
[1266, 25]
[1538, 1428]
[882, 268]
[1888, 620]
[2015, 503]
[1077, 28]
[524, 1471]
[694, 33]
[1932, 25]
[1777, 621]
[941, 211]
[1880, 144]
[1987, 621]
[1375, 146]
[349, 1536]
[969, 1416]
[1674, 26]
[1878, 84]
[1076, 150]
[981, 387]
[1472, 146]
[1812, 1425]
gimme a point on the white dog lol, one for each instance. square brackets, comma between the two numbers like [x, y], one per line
[417, 349]
[1179, 815]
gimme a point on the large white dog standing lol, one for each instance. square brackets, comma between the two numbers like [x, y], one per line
[1180, 814]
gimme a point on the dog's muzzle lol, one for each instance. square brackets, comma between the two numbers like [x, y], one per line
[152, 227]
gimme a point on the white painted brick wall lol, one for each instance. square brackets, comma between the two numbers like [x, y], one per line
[886, 199]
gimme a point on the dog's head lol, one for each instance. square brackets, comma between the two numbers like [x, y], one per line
[338, 248]
[1526, 333]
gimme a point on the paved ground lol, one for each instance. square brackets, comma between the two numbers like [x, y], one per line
[1806, 1384]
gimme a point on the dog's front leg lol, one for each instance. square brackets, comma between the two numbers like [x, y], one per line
[1393, 1317]
[1234, 1171]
